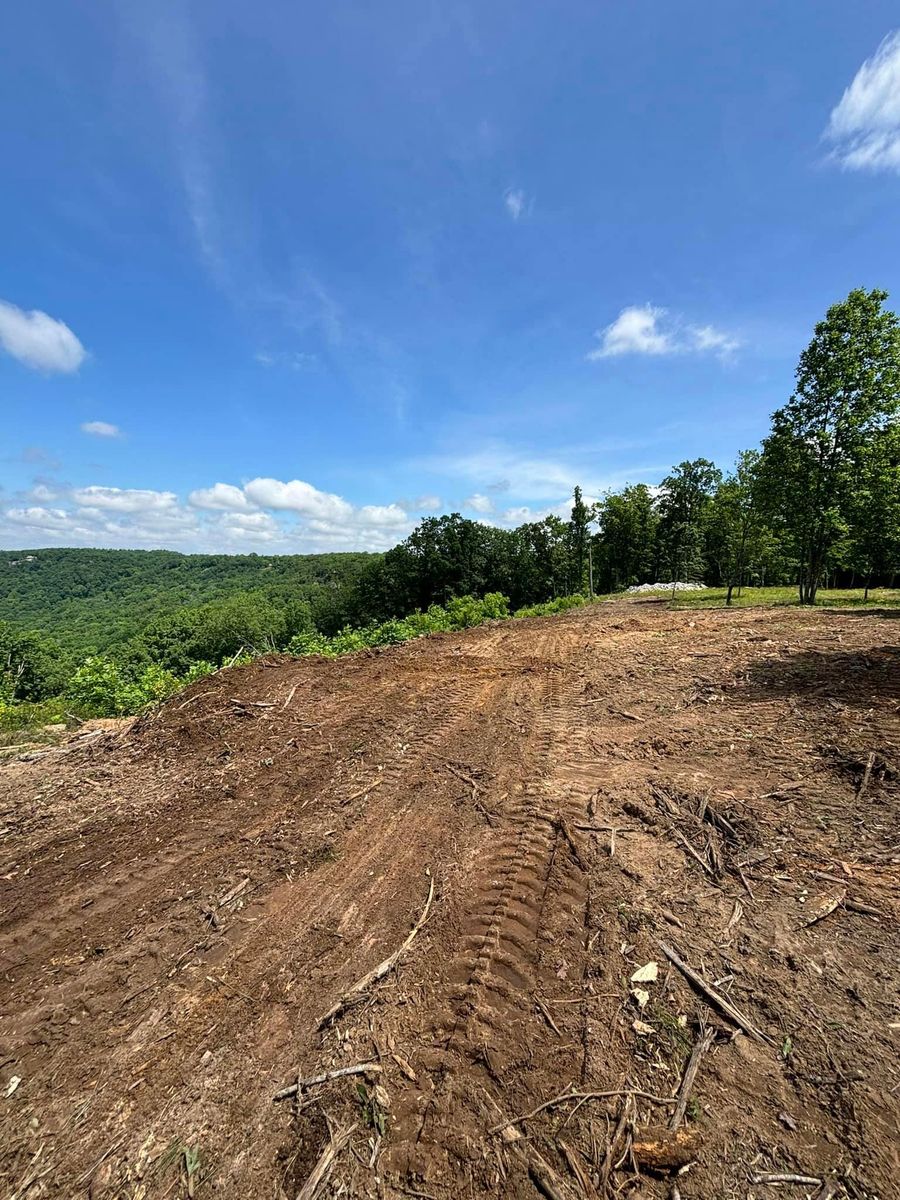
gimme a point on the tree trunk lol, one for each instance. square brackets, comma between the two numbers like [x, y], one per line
[728, 597]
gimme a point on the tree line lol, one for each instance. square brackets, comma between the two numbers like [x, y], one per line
[817, 502]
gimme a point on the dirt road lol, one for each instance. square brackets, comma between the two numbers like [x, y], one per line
[183, 900]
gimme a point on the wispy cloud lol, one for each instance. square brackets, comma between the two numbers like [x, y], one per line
[647, 329]
[533, 477]
[479, 503]
[864, 127]
[516, 202]
[101, 429]
[289, 359]
[39, 341]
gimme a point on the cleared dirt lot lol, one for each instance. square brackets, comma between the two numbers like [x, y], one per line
[185, 898]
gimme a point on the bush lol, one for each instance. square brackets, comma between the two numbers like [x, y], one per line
[309, 643]
[462, 612]
[98, 688]
[32, 715]
[560, 604]
[103, 688]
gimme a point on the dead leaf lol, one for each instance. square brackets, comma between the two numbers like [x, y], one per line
[646, 974]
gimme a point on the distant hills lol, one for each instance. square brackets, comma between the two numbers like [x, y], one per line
[93, 599]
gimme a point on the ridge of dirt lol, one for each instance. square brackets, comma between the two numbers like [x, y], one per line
[184, 897]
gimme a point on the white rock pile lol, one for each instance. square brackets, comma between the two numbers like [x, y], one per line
[666, 587]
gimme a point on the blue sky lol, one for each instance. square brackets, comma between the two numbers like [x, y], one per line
[287, 277]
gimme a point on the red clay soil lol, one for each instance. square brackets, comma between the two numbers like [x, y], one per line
[184, 899]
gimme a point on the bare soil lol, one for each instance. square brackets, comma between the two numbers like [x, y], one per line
[184, 897]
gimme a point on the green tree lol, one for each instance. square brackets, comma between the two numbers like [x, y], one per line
[579, 536]
[736, 533]
[874, 508]
[32, 666]
[847, 389]
[627, 537]
[683, 507]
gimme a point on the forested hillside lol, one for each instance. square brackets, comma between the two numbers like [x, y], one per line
[104, 632]
[92, 600]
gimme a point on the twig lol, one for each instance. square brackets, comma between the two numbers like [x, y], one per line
[103, 1157]
[867, 774]
[322, 1168]
[575, 1165]
[609, 1156]
[234, 892]
[607, 828]
[545, 1178]
[232, 661]
[813, 1180]
[573, 845]
[464, 777]
[363, 1068]
[693, 853]
[353, 995]
[690, 1074]
[290, 696]
[370, 787]
[744, 882]
[712, 995]
[564, 1097]
[237, 991]
[548, 1017]
[199, 696]
[865, 909]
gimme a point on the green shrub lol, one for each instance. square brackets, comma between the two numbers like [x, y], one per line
[24, 715]
[465, 612]
[560, 604]
[495, 606]
[309, 643]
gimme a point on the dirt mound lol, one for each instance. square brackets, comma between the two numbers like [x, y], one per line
[641, 868]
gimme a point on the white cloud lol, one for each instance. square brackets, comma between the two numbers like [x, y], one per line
[634, 331]
[647, 329]
[384, 515]
[479, 503]
[220, 496]
[295, 360]
[38, 517]
[43, 494]
[516, 202]
[298, 496]
[519, 515]
[865, 125]
[124, 500]
[707, 339]
[39, 341]
[426, 503]
[101, 429]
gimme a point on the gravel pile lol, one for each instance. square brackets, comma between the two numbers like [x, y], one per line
[666, 587]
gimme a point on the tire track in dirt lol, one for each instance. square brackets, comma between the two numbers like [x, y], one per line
[483, 747]
[525, 871]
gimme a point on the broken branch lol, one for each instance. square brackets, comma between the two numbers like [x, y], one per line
[690, 1074]
[322, 1168]
[716, 998]
[355, 994]
[564, 1097]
